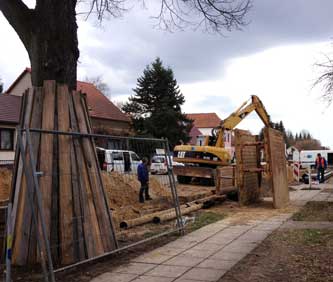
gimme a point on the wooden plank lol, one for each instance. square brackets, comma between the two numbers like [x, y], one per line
[247, 168]
[114, 243]
[36, 121]
[21, 205]
[46, 152]
[65, 184]
[224, 178]
[28, 99]
[85, 167]
[79, 195]
[277, 165]
[95, 188]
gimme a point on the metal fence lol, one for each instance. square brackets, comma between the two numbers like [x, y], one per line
[117, 159]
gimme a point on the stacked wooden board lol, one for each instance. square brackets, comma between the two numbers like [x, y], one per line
[248, 161]
[275, 148]
[77, 217]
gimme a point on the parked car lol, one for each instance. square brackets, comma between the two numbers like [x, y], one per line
[159, 164]
[117, 160]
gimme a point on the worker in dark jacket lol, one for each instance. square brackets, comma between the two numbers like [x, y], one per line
[143, 177]
[321, 165]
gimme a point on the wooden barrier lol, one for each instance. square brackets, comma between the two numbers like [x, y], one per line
[77, 217]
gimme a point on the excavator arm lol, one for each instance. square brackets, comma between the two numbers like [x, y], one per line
[236, 117]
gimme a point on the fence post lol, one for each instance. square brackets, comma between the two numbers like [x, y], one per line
[32, 183]
[173, 187]
[9, 243]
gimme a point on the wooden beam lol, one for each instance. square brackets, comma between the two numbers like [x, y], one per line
[65, 181]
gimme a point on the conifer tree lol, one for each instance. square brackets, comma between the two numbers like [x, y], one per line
[155, 108]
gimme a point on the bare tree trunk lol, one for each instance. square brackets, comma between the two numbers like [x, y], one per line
[54, 49]
[49, 34]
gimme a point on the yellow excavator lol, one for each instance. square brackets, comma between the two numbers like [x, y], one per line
[201, 161]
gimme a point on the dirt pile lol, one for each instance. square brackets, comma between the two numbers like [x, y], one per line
[123, 189]
[5, 183]
[123, 196]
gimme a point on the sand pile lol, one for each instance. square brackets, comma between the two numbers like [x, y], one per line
[5, 183]
[122, 190]
[123, 196]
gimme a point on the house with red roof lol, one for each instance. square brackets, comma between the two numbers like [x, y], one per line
[106, 118]
[203, 124]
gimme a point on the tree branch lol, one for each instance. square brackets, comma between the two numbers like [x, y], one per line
[19, 17]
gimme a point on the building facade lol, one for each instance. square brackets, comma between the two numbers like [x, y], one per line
[105, 117]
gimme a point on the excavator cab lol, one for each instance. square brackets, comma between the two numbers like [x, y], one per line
[213, 153]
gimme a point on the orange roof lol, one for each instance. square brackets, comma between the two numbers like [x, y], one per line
[205, 120]
[99, 105]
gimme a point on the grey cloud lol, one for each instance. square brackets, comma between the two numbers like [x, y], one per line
[131, 43]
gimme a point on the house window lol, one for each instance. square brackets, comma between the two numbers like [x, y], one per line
[6, 139]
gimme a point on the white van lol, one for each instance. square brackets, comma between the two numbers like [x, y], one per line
[117, 160]
[308, 157]
[159, 164]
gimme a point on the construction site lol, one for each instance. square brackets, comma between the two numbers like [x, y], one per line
[70, 204]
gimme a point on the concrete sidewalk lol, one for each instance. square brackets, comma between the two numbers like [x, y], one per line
[205, 254]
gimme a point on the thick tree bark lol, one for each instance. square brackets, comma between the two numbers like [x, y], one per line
[49, 34]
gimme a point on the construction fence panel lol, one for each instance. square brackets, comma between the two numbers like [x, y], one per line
[75, 221]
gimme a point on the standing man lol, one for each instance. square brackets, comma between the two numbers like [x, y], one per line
[321, 165]
[143, 177]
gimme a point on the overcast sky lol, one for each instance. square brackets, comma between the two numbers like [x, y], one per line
[272, 57]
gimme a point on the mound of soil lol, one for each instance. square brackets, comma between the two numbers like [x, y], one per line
[123, 196]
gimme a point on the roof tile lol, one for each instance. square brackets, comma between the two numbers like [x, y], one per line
[205, 120]
[99, 105]
[10, 108]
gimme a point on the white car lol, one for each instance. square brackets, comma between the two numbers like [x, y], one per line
[118, 160]
[159, 164]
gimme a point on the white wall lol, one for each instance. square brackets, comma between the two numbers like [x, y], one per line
[22, 85]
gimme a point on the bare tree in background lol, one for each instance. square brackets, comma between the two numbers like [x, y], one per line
[100, 84]
[1, 86]
[49, 31]
[325, 80]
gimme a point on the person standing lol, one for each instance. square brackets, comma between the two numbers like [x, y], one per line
[320, 165]
[143, 177]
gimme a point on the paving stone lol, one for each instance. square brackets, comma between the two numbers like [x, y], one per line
[239, 248]
[239, 228]
[268, 226]
[135, 268]
[146, 278]
[184, 260]
[255, 235]
[199, 253]
[168, 271]
[188, 280]
[204, 274]
[167, 251]
[223, 255]
[209, 246]
[217, 264]
[114, 277]
[181, 244]
[154, 258]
